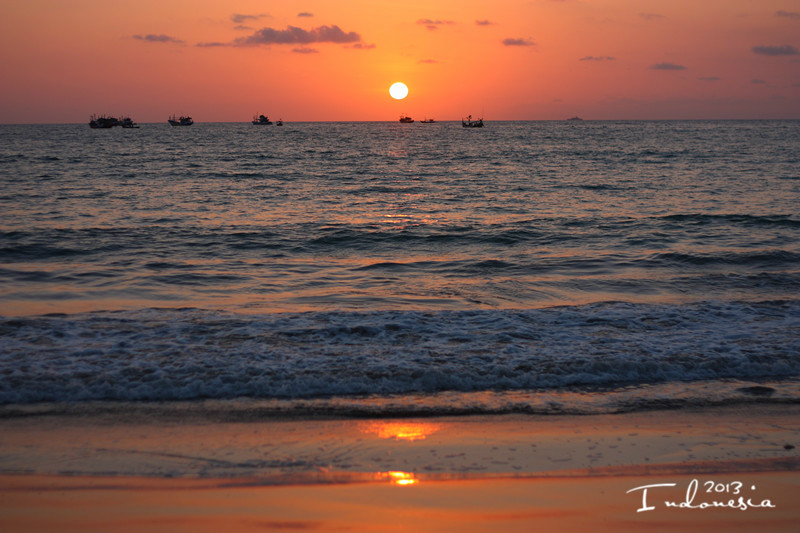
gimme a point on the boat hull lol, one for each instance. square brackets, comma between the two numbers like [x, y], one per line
[182, 121]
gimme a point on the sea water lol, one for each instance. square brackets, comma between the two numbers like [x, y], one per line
[385, 268]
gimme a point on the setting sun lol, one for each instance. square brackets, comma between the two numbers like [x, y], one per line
[398, 90]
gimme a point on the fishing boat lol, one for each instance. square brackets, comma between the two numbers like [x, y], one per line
[279, 122]
[428, 121]
[182, 121]
[103, 122]
[128, 122]
[405, 119]
[469, 123]
[575, 119]
[261, 120]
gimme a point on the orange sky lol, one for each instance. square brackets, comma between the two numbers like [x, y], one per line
[308, 60]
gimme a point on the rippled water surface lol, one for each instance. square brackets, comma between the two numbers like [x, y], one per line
[328, 216]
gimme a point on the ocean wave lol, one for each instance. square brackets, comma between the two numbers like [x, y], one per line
[188, 354]
[735, 219]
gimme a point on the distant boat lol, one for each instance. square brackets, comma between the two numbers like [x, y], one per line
[469, 123]
[103, 122]
[405, 119]
[279, 122]
[128, 122]
[428, 121]
[261, 120]
[182, 121]
[575, 118]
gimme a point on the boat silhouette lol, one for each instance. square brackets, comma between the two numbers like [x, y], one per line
[261, 120]
[182, 121]
[469, 123]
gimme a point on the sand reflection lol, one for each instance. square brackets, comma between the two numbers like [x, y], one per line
[407, 431]
[403, 479]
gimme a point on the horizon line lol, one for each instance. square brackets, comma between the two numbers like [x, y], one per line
[437, 121]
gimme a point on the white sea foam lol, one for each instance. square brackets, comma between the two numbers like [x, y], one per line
[162, 355]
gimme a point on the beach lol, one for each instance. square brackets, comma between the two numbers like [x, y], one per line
[108, 471]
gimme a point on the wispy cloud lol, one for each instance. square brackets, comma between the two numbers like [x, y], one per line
[239, 18]
[363, 46]
[305, 50]
[428, 61]
[305, 14]
[709, 78]
[597, 58]
[667, 66]
[434, 24]
[152, 38]
[484, 22]
[784, 50]
[518, 42]
[651, 16]
[294, 35]
[788, 14]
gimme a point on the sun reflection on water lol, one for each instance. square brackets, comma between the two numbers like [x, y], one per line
[403, 479]
[407, 431]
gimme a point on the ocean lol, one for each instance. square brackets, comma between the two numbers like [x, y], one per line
[385, 269]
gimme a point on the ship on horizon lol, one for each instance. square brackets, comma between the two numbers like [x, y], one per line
[261, 120]
[469, 123]
[103, 122]
[182, 121]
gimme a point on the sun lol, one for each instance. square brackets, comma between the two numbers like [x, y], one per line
[398, 90]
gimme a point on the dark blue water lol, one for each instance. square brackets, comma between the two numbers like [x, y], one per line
[613, 264]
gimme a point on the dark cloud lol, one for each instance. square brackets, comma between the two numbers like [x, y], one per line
[484, 22]
[597, 58]
[518, 42]
[785, 50]
[294, 35]
[651, 16]
[305, 50]
[788, 14]
[238, 18]
[362, 46]
[151, 38]
[211, 45]
[433, 24]
[305, 14]
[667, 66]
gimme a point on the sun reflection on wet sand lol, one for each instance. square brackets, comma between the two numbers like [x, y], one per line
[408, 431]
[403, 479]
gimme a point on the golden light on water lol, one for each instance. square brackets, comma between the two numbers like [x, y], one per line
[408, 431]
[403, 479]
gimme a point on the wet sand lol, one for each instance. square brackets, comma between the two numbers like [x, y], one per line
[106, 472]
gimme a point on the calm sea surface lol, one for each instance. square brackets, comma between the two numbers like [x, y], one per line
[401, 268]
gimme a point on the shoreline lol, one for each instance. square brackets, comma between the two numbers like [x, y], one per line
[472, 473]
[66, 504]
[190, 442]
